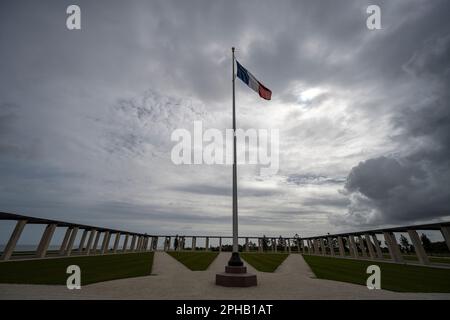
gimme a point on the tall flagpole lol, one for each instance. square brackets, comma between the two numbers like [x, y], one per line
[235, 259]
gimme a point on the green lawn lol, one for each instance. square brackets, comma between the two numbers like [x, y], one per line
[394, 277]
[93, 268]
[265, 262]
[196, 261]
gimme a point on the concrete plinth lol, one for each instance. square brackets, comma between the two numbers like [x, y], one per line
[236, 276]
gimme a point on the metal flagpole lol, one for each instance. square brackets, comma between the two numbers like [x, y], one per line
[235, 259]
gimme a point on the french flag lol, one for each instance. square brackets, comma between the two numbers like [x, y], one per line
[251, 81]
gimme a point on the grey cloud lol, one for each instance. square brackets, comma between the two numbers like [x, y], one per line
[414, 185]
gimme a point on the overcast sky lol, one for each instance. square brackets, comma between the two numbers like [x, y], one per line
[86, 116]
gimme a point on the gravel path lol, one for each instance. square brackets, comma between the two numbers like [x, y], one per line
[172, 280]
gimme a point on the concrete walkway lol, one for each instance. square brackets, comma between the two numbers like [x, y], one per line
[172, 280]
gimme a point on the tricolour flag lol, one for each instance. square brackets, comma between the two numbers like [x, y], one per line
[252, 82]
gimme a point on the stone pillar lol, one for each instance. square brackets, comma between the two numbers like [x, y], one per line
[289, 245]
[304, 246]
[260, 248]
[194, 243]
[310, 248]
[275, 245]
[105, 242]
[45, 241]
[73, 235]
[377, 247]
[90, 241]
[63, 247]
[316, 246]
[82, 241]
[153, 244]
[352, 247]
[146, 244]
[393, 247]
[125, 243]
[370, 246]
[220, 244]
[299, 245]
[207, 243]
[133, 243]
[418, 247]
[341, 246]
[139, 243]
[116, 242]
[362, 246]
[97, 239]
[12, 242]
[330, 245]
[445, 230]
[322, 247]
[168, 243]
[246, 244]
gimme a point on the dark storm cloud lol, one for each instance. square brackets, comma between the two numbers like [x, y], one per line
[415, 184]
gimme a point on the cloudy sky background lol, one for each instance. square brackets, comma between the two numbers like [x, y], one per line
[86, 116]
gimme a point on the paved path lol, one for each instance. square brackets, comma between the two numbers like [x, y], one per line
[172, 280]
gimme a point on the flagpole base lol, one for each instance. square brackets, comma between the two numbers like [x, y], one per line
[235, 274]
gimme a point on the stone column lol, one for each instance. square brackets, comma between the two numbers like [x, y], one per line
[63, 247]
[220, 244]
[97, 239]
[45, 241]
[341, 246]
[352, 247]
[304, 246]
[168, 243]
[370, 246]
[194, 243]
[393, 247]
[125, 243]
[82, 241]
[116, 242]
[362, 246]
[316, 246]
[146, 244]
[105, 242]
[260, 248]
[377, 247]
[275, 245]
[330, 245]
[207, 243]
[90, 241]
[246, 244]
[445, 230]
[73, 235]
[418, 247]
[322, 247]
[289, 245]
[299, 245]
[12, 242]
[139, 243]
[133, 243]
[310, 248]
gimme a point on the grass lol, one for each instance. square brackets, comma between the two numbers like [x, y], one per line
[195, 261]
[93, 268]
[265, 262]
[394, 277]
